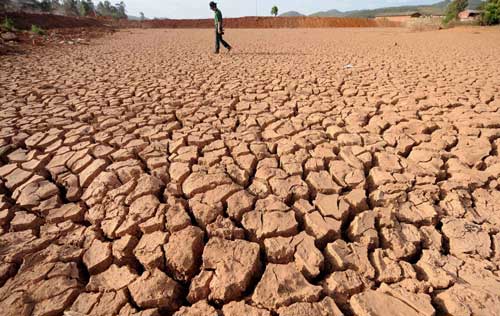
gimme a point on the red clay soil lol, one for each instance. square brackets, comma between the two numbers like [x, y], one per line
[267, 22]
[50, 21]
[58, 30]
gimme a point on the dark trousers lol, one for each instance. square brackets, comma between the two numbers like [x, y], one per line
[219, 40]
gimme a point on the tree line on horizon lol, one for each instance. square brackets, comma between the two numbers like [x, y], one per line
[68, 7]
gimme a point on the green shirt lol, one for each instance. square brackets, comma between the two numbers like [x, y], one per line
[218, 17]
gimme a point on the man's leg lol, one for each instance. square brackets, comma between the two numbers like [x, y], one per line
[226, 45]
[217, 42]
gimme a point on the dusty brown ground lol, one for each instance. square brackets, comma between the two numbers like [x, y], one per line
[141, 173]
[26, 41]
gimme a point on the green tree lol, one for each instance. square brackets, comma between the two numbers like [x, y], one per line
[104, 8]
[86, 7]
[121, 12]
[30, 5]
[274, 10]
[4, 4]
[46, 5]
[70, 7]
[117, 11]
[141, 16]
[491, 12]
[454, 8]
[55, 5]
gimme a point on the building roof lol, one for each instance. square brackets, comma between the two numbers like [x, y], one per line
[409, 13]
[472, 11]
[469, 13]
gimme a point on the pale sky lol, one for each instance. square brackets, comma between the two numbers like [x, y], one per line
[188, 9]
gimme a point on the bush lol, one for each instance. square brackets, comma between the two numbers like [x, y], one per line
[8, 24]
[35, 29]
[491, 13]
[453, 9]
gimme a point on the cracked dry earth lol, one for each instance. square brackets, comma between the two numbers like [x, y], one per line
[142, 175]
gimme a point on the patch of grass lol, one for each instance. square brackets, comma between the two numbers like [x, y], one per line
[35, 29]
[8, 24]
[453, 24]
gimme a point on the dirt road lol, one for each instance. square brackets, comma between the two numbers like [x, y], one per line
[310, 172]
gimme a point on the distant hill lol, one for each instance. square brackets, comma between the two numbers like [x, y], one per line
[434, 9]
[292, 13]
[330, 13]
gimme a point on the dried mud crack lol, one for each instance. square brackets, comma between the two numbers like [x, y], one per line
[140, 175]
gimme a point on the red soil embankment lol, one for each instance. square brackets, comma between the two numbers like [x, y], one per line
[266, 22]
[57, 30]
[51, 21]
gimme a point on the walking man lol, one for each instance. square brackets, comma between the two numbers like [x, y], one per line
[219, 29]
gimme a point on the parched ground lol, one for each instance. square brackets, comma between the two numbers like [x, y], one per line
[310, 172]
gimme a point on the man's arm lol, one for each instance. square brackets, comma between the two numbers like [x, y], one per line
[220, 28]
